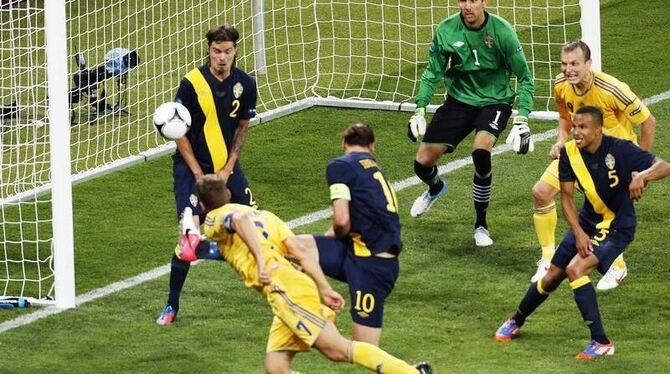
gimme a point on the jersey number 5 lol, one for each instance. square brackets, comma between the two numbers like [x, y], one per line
[389, 194]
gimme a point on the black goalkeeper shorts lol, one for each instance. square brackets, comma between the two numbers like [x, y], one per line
[454, 120]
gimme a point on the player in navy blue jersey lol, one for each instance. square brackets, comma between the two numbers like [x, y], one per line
[221, 99]
[363, 244]
[612, 173]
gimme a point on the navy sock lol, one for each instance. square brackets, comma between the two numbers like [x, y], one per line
[585, 297]
[178, 273]
[529, 303]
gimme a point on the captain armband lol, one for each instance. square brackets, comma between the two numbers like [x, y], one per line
[339, 191]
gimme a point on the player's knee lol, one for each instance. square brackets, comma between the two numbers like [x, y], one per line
[575, 270]
[543, 194]
[482, 160]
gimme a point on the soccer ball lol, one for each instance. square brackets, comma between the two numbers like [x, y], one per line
[172, 120]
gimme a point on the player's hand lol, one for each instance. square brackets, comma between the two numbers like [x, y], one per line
[583, 243]
[636, 186]
[417, 124]
[519, 136]
[263, 275]
[224, 174]
[333, 300]
[555, 151]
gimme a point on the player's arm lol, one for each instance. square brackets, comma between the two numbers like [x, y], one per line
[517, 61]
[567, 179]
[430, 79]
[647, 133]
[242, 224]
[302, 249]
[187, 97]
[339, 176]
[659, 169]
[239, 138]
[341, 219]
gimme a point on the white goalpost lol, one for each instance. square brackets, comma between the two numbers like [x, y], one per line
[79, 81]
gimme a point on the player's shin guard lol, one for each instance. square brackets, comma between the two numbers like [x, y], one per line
[534, 297]
[428, 174]
[585, 297]
[375, 359]
[481, 184]
[545, 219]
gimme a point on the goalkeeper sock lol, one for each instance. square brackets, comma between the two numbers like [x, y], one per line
[428, 174]
[178, 273]
[545, 219]
[375, 359]
[585, 297]
[481, 184]
[533, 298]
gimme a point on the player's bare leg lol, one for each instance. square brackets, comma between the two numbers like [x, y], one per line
[366, 334]
[337, 348]
[544, 219]
[425, 168]
[279, 362]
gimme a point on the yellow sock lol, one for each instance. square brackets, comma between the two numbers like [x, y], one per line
[545, 219]
[619, 262]
[375, 359]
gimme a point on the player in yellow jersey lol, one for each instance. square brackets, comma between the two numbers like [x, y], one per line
[575, 87]
[254, 243]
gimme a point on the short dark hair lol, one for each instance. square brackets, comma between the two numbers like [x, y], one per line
[224, 33]
[358, 134]
[578, 44]
[212, 191]
[595, 113]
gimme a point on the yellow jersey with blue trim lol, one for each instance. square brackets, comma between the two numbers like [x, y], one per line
[604, 177]
[271, 233]
[621, 108]
[216, 108]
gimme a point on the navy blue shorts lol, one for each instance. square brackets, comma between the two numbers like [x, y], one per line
[184, 188]
[370, 279]
[454, 120]
[610, 246]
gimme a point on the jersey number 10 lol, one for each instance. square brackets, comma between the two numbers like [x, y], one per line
[389, 194]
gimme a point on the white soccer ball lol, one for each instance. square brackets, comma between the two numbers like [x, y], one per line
[172, 120]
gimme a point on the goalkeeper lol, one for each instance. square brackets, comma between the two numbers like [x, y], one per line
[475, 52]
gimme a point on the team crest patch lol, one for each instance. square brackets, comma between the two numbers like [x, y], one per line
[193, 199]
[571, 107]
[609, 161]
[489, 41]
[237, 90]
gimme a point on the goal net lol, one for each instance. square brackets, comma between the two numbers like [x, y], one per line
[126, 57]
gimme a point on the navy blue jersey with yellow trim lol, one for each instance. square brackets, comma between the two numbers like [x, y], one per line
[373, 206]
[604, 177]
[216, 109]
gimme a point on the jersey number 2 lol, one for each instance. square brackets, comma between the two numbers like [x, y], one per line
[236, 107]
[389, 194]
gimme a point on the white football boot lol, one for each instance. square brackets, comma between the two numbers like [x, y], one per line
[542, 268]
[425, 201]
[614, 276]
[482, 237]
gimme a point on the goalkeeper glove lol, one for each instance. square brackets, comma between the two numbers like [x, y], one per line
[417, 124]
[519, 136]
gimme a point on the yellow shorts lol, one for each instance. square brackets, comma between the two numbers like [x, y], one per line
[550, 175]
[299, 315]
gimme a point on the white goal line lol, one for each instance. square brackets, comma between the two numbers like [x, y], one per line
[301, 221]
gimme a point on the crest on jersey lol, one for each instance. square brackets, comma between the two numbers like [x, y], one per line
[609, 161]
[571, 108]
[237, 90]
[193, 199]
[489, 41]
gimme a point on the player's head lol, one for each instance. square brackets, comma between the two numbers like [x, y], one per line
[576, 61]
[587, 127]
[212, 192]
[472, 12]
[358, 134]
[222, 48]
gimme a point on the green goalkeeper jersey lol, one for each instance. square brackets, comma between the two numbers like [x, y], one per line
[477, 64]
